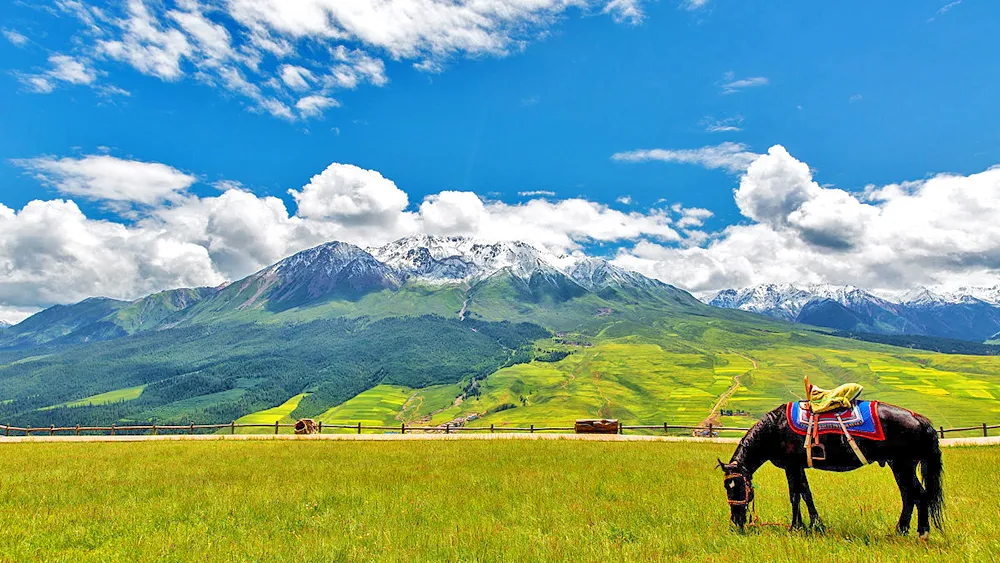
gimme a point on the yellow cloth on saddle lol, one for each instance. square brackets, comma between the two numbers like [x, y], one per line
[823, 400]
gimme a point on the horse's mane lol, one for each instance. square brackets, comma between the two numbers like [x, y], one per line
[751, 440]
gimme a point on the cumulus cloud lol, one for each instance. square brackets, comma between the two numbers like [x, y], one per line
[732, 157]
[939, 231]
[104, 177]
[308, 49]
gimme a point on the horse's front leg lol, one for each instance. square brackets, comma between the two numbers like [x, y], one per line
[794, 494]
[815, 521]
[906, 476]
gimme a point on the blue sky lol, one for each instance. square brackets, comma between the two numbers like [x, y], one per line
[519, 97]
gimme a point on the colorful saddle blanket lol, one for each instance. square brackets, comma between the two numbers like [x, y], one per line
[861, 419]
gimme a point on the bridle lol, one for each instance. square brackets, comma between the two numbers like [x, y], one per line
[748, 501]
[747, 497]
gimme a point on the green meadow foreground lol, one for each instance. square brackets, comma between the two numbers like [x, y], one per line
[454, 501]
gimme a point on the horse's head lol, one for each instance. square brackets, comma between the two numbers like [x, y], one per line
[739, 492]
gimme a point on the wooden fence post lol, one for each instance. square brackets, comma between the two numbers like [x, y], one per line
[532, 429]
[112, 429]
[984, 430]
[275, 427]
[77, 429]
[664, 428]
[232, 427]
[154, 430]
[321, 427]
[402, 428]
[191, 431]
[941, 428]
[52, 430]
[6, 431]
[491, 428]
[359, 428]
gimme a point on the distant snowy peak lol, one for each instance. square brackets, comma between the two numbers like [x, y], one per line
[784, 301]
[4, 324]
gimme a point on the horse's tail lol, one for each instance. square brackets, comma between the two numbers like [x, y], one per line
[932, 471]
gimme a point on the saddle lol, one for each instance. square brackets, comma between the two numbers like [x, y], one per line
[834, 404]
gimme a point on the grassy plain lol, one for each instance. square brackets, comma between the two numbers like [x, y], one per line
[451, 501]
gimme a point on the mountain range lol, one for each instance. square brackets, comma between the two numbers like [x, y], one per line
[449, 329]
[968, 314]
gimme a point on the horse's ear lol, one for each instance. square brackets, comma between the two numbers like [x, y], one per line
[722, 466]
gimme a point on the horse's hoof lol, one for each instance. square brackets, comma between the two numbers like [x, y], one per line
[902, 531]
[819, 527]
[925, 536]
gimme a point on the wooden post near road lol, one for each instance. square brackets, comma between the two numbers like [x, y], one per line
[52, 430]
[359, 428]
[941, 428]
[402, 428]
[491, 428]
[320, 431]
[232, 427]
[77, 429]
[664, 427]
[532, 428]
[275, 427]
[112, 429]
[984, 430]
[447, 429]
[6, 431]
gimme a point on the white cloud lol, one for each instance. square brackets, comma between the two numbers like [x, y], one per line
[624, 200]
[16, 38]
[854, 98]
[732, 157]
[107, 178]
[534, 193]
[629, 11]
[944, 9]
[308, 49]
[62, 68]
[350, 194]
[694, 4]
[311, 106]
[296, 77]
[725, 125]
[935, 232]
[731, 84]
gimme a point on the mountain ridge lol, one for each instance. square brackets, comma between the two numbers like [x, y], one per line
[971, 313]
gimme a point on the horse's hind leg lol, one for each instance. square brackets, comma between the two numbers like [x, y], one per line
[905, 473]
[814, 520]
[794, 494]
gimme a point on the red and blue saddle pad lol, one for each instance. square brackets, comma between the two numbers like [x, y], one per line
[861, 419]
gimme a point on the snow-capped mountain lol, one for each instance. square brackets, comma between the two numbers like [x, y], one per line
[453, 259]
[4, 324]
[967, 314]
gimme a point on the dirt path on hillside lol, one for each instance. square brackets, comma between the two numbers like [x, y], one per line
[465, 309]
[713, 416]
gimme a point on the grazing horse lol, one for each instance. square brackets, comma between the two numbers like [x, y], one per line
[909, 441]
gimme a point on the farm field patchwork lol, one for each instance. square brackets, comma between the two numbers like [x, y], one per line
[452, 501]
[649, 384]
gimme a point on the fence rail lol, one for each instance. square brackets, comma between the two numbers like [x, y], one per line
[114, 429]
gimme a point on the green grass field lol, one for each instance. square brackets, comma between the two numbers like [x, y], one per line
[452, 501]
[115, 396]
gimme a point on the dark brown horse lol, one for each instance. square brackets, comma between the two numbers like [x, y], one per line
[910, 440]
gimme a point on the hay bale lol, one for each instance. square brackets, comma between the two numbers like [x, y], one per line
[596, 426]
[306, 426]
